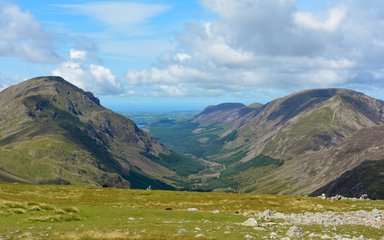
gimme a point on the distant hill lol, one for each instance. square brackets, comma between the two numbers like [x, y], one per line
[293, 145]
[52, 132]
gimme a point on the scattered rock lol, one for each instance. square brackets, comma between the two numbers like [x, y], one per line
[199, 235]
[193, 209]
[295, 232]
[216, 211]
[131, 219]
[251, 222]
[182, 230]
[374, 218]
[323, 196]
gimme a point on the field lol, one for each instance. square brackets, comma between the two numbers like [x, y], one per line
[70, 212]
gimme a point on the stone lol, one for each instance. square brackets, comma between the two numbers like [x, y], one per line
[182, 230]
[337, 197]
[193, 209]
[251, 222]
[199, 235]
[273, 235]
[295, 232]
[259, 229]
[364, 197]
[249, 237]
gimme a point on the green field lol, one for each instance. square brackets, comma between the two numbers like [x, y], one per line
[69, 212]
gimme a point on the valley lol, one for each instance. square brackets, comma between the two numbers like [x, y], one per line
[293, 145]
[307, 143]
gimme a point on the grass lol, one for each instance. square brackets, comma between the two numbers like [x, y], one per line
[69, 212]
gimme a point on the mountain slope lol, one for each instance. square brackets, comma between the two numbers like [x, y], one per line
[293, 145]
[53, 132]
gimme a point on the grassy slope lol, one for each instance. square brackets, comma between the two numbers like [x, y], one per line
[68, 212]
[53, 132]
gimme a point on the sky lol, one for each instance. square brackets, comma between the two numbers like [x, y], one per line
[163, 55]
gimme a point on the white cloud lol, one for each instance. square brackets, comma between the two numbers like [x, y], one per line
[22, 36]
[270, 44]
[308, 20]
[87, 75]
[77, 54]
[118, 15]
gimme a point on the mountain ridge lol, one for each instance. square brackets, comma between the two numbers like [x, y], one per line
[50, 124]
[309, 133]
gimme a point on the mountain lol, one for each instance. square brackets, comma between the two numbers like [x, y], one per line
[221, 114]
[52, 132]
[293, 145]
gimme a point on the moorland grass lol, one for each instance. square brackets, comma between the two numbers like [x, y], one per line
[72, 212]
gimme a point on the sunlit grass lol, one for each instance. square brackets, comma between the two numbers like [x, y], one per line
[68, 212]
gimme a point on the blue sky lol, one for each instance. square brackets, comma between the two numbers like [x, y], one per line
[181, 55]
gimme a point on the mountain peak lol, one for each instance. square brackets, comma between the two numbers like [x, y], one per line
[61, 134]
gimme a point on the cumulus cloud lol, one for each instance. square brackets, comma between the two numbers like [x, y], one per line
[22, 36]
[272, 44]
[82, 72]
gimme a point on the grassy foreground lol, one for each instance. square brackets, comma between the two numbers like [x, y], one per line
[69, 212]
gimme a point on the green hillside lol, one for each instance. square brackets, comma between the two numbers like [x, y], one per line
[53, 132]
[315, 135]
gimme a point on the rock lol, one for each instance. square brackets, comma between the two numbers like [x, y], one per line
[199, 235]
[182, 230]
[337, 197]
[323, 196]
[364, 197]
[295, 232]
[193, 209]
[249, 237]
[285, 238]
[267, 213]
[259, 229]
[251, 222]
[168, 209]
[325, 236]
[131, 219]
[273, 235]
[215, 211]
